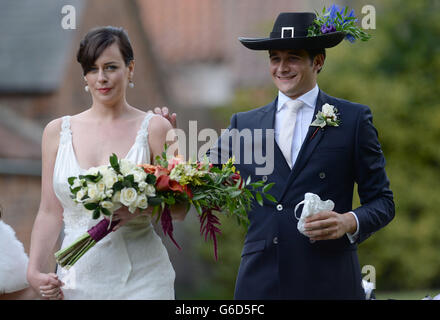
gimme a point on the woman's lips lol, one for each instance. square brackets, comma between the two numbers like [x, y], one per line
[104, 90]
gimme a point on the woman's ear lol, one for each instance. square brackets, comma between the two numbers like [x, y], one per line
[131, 67]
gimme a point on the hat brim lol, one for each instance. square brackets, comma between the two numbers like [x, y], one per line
[327, 40]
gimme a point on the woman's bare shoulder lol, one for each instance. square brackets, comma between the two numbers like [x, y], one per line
[53, 128]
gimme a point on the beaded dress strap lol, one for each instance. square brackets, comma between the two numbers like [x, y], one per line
[66, 133]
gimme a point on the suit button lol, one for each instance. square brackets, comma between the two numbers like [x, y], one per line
[264, 178]
[279, 207]
[275, 240]
[322, 175]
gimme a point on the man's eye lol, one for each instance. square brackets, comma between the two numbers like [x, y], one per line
[111, 67]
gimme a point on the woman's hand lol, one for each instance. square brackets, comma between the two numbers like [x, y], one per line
[47, 285]
[123, 215]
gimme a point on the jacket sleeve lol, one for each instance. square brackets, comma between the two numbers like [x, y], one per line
[221, 151]
[377, 205]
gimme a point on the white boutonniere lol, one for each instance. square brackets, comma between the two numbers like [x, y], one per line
[327, 117]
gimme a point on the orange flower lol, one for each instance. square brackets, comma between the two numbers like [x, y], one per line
[148, 168]
[164, 183]
[161, 171]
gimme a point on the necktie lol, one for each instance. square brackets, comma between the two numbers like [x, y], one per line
[288, 128]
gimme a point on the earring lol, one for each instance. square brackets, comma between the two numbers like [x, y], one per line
[131, 84]
[86, 88]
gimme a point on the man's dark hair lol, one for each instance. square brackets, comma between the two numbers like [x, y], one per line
[313, 53]
[97, 40]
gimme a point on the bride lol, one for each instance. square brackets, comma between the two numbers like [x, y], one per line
[132, 262]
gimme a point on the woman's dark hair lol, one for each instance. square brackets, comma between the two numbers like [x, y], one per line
[314, 52]
[97, 40]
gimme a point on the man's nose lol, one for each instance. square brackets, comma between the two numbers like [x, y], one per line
[283, 66]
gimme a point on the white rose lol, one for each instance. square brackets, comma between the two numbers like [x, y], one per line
[107, 205]
[100, 186]
[142, 185]
[126, 166]
[109, 193]
[150, 190]
[110, 178]
[128, 196]
[142, 202]
[139, 175]
[76, 183]
[93, 192]
[80, 194]
[328, 110]
[92, 171]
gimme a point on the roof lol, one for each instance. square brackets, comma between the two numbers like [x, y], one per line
[34, 46]
[192, 31]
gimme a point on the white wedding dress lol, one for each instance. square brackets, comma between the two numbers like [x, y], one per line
[130, 263]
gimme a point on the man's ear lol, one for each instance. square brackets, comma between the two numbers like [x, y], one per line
[318, 62]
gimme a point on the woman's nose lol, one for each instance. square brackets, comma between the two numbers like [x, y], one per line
[102, 76]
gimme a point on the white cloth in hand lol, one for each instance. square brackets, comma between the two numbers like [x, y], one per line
[312, 205]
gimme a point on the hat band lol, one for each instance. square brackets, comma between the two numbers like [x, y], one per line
[289, 32]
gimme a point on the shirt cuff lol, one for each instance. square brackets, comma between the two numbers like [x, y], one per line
[354, 236]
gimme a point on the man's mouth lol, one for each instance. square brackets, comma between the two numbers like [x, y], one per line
[284, 78]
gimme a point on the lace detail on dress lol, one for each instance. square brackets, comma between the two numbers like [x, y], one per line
[66, 133]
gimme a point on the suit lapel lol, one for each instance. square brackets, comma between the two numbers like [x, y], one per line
[309, 144]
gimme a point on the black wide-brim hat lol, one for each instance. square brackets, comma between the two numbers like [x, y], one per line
[290, 32]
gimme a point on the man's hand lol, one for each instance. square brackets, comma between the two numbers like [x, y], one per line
[327, 225]
[164, 112]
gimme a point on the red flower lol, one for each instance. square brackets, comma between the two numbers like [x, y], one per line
[164, 183]
[236, 177]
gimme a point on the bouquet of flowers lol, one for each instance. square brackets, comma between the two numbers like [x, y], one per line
[200, 184]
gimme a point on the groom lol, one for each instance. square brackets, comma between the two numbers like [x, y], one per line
[277, 261]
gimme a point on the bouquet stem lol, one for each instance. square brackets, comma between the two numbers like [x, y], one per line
[67, 257]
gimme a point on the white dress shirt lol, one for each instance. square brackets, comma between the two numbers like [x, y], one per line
[303, 120]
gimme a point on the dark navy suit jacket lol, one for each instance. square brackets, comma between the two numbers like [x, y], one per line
[277, 261]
